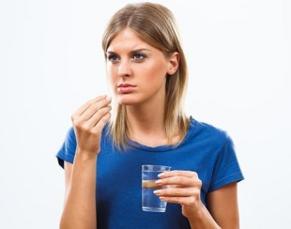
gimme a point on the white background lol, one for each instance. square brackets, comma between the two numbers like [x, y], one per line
[239, 56]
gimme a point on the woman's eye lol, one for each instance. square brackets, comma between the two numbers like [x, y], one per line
[112, 58]
[139, 57]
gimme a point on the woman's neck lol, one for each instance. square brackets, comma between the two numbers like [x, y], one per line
[147, 118]
[146, 123]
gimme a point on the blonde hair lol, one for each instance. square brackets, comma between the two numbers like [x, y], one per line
[154, 24]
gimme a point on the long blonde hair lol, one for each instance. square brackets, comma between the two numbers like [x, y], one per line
[154, 24]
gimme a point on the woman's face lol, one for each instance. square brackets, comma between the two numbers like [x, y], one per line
[137, 71]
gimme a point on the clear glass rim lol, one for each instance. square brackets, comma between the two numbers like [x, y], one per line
[155, 168]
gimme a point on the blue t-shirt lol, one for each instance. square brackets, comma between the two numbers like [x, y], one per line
[205, 149]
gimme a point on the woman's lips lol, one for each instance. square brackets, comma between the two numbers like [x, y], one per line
[125, 88]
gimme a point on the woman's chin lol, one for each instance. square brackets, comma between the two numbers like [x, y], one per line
[127, 99]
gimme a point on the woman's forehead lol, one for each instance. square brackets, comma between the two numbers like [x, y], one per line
[127, 40]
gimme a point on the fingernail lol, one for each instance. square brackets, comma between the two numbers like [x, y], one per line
[157, 191]
[161, 174]
[158, 181]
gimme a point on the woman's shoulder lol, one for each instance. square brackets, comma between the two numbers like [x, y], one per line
[207, 131]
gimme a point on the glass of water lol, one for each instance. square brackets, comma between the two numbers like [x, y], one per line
[150, 201]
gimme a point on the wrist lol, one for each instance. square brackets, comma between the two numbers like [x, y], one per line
[201, 218]
[197, 212]
[86, 155]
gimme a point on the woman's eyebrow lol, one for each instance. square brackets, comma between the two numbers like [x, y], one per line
[131, 52]
[139, 50]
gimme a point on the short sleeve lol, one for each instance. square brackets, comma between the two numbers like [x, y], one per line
[226, 169]
[67, 150]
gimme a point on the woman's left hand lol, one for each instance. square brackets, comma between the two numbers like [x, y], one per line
[183, 187]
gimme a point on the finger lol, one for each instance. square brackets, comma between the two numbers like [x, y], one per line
[99, 126]
[87, 104]
[93, 108]
[176, 192]
[178, 173]
[97, 116]
[179, 180]
[178, 200]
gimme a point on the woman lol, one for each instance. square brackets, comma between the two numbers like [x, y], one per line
[102, 155]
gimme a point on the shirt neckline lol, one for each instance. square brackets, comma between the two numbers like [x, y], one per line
[160, 148]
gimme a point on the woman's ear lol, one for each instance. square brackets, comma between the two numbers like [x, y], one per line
[173, 63]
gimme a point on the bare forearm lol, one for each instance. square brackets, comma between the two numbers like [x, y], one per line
[203, 220]
[80, 204]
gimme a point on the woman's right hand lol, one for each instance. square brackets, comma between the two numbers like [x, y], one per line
[88, 122]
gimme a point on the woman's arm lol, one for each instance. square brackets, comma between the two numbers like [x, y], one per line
[223, 210]
[184, 188]
[223, 206]
[80, 200]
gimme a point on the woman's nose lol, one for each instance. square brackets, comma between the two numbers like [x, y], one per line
[124, 68]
